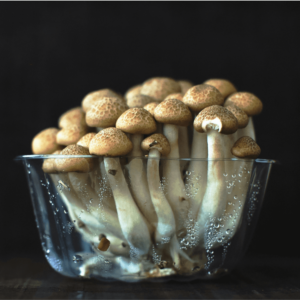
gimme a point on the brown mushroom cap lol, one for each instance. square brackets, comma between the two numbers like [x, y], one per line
[71, 134]
[248, 102]
[110, 142]
[49, 164]
[92, 97]
[225, 87]
[173, 111]
[105, 112]
[200, 96]
[178, 96]
[160, 87]
[185, 85]
[240, 115]
[86, 139]
[45, 142]
[133, 91]
[216, 117]
[136, 121]
[150, 107]
[139, 101]
[77, 164]
[157, 141]
[245, 147]
[73, 116]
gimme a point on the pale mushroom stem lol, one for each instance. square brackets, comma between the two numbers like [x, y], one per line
[198, 172]
[214, 200]
[133, 224]
[138, 181]
[184, 146]
[175, 189]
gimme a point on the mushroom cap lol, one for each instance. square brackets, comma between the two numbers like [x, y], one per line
[185, 85]
[173, 111]
[136, 121]
[225, 87]
[178, 96]
[92, 97]
[45, 142]
[200, 96]
[71, 134]
[110, 142]
[218, 118]
[157, 141]
[77, 164]
[133, 91]
[240, 115]
[49, 164]
[160, 87]
[86, 139]
[245, 147]
[73, 116]
[139, 100]
[248, 102]
[105, 112]
[150, 107]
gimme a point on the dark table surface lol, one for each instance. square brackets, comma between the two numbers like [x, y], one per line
[256, 277]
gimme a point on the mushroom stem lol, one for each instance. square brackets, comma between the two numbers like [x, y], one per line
[138, 181]
[184, 146]
[133, 224]
[214, 200]
[175, 189]
[198, 171]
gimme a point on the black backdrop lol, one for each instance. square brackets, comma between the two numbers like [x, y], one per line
[52, 54]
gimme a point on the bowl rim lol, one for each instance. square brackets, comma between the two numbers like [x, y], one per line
[58, 156]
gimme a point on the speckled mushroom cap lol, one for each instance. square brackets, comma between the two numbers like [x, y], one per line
[105, 112]
[150, 107]
[76, 164]
[139, 101]
[200, 96]
[160, 87]
[185, 85]
[240, 115]
[45, 142]
[248, 102]
[73, 116]
[136, 121]
[218, 118]
[245, 147]
[71, 134]
[110, 142]
[157, 141]
[49, 164]
[92, 97]
[178, 96]
[86, 139]
[133, 91]
[225, 87]
[173, 111]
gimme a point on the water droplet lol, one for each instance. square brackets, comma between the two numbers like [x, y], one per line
[227, 231]
[229, 203]
[57, 209]
[47, 251]
[211, 252]
[225, 174]
[240, 174]
[233, 176]
[65, 212]
[106, 261]
[235, 197]
[216, 225]
[91, 200]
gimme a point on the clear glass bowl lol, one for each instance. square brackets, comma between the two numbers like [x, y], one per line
[71, 219]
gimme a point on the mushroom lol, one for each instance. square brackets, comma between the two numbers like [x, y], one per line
[92, 97]
[177, 96]
[45, 142]
[139, 100]
[185, 85]
[133, 91]
[71, 134]
[160, 87]
[251, 105]
[215, 120]
[113, 142]
[73, 116]
[224, 86]
[198, 98]
[173, 113]
[137, 122]
[150, 107]
[86, 139]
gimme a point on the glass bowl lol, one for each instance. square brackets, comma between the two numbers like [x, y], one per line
[79, 215]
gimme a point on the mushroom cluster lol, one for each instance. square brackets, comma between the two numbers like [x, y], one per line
[135, 208]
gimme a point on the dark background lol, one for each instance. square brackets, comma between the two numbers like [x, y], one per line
[53, 54]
